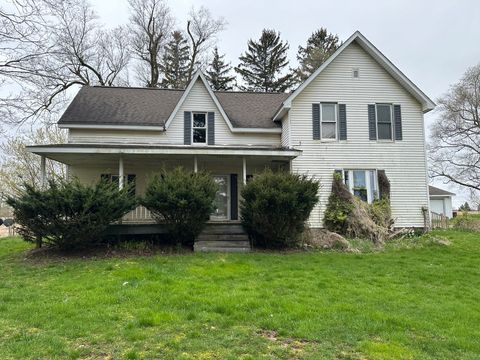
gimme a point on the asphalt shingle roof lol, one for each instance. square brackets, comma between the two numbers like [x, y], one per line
[432, 190]
[96, 105]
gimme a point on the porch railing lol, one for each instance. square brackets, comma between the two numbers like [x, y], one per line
[138, 215]
[439, 221]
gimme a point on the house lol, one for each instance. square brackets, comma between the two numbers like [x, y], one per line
[441, 201]
[357, 114]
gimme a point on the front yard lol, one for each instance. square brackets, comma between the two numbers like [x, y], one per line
[398, 304]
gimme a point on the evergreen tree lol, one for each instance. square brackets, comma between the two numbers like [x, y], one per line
[218, 72]
[174, 64]
[320, 45]
[262, 64]
[465, 207]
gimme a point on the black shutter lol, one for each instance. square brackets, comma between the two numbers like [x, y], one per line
[397, 115]
[233, 197]
[187, 128]
[372, 123]
[342, 121]
[211, 129]
[316, 121]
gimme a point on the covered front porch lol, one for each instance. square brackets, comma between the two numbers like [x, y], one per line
[231, 168]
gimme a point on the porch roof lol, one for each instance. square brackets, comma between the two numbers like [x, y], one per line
[64, 152]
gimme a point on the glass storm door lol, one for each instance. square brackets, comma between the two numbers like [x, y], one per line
[221, 198]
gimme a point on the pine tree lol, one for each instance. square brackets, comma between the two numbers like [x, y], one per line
[320, 46]
[217, 72]
[262, 64]
[174, 65]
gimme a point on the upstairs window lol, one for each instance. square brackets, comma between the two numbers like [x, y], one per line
[384, 121]
[199, 128]
[328, 119]
[362, 183]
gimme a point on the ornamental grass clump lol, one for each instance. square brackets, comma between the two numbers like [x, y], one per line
[276, 206]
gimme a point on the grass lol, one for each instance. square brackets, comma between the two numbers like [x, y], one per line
[418, 303]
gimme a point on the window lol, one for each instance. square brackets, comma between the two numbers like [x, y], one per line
[199, 128]
[362, 184]
[328, 118]
[356, 73]
[128, 180]
[384, 121]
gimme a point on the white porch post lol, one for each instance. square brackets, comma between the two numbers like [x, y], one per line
[244, 170]
[120, 173]
[43, 173]
[195, 164]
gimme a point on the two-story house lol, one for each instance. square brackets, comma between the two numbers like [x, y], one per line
[357, 114]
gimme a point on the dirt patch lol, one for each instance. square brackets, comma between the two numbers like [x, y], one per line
[295, 346]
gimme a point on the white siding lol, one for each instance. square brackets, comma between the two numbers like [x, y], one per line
[404, 161]
[442, 205]
[197, 100]
[286, 131]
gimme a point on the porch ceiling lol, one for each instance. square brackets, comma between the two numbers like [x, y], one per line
[72, 154]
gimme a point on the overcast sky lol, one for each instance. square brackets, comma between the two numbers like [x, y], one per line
[432, 42]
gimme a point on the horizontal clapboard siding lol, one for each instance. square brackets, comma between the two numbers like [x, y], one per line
[404, 161]
[198, 100]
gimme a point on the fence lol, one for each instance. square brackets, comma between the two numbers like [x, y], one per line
[439, 221]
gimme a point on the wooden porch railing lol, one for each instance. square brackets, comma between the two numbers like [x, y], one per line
[139, 215]
[439, 221]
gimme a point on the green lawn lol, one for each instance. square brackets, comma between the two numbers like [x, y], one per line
[398, 304]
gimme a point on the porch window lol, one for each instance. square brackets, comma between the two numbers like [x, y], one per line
[328, 118]
[384, 121]
[199, 128]
[362, 183]
[129, 180]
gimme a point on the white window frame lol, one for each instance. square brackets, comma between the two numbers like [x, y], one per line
[199, 128]
[391, 121]
[328, 121]
[368, 183]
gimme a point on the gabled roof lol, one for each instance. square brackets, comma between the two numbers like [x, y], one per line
[154, 109]
[434, 191]
[369, 48]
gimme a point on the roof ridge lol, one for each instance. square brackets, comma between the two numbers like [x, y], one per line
[250, 92]
[131, 87]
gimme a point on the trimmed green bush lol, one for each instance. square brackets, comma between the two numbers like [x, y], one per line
[68, 214]
[275, 207]
[182, 200]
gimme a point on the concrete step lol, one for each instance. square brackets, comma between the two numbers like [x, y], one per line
[222, 237]
[222, 249]
[220, 243]
[224, 229]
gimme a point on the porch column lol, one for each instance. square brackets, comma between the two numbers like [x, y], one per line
[195, 164]
[43, 173]
[120, 173]
[244, 170]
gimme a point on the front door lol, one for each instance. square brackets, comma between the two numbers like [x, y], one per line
[222, 198]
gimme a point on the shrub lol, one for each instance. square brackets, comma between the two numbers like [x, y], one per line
[349, 216]
[68, 214]
[339, 207]
[275, 207]
[182, 200]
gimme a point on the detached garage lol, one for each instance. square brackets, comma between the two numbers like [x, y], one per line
[441, 201]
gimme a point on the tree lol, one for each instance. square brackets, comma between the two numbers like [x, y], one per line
[465, 207]
[218, 72]
[262, 64]
[151, 23]
[174, 64]
[320, 46]
[19, 166]
[202, 30]
[59, 45]
[454, 149]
